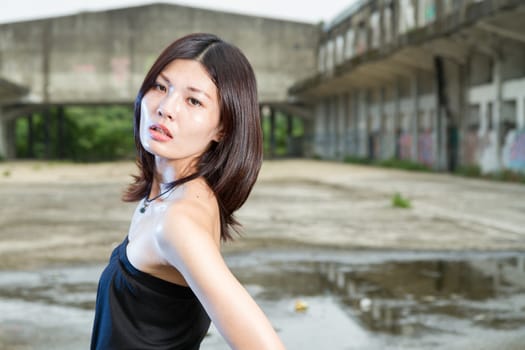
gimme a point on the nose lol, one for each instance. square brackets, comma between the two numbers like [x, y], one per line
[168, 106]
[161, 112]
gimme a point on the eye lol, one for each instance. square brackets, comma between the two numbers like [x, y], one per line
[194, 102]
[159, 87]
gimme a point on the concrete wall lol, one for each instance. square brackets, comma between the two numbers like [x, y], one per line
[489, 150]
[102, 57]
[396, 56]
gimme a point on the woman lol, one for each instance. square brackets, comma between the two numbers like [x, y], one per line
[199, 143]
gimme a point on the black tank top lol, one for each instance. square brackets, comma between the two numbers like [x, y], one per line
[135, 310]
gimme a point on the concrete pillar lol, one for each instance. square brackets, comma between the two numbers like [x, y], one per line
[3, 136]
[497, 108]
[332, 127]
[483, 119]
[439, 144]
[355, 123]
[382, 139]
[318, 133]
[47, 133]
[463, 109]
[346, 122]
[7, 137]
[289, 135]
[382, 24]
[415, 116]
[272, 132]
[341, 126]
[326, 135]
[30, 137]
[520, 264]
[308, 141]
[520, 111]
[332, 118]
[60, 133]
[438, 115]
[397, 117]
[360, 137]
[349, 124]
[367, 124]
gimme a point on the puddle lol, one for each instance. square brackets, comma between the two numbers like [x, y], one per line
[354, 300]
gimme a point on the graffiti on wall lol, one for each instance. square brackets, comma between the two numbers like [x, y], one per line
[489, 160]
[405, 146]
[425, 148]
[514, 150]
[471, 148]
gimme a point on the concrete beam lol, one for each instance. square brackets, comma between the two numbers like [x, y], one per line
[393, 69]
[295, 109]
[502, 32]
[479, 41]
[449, 49]
[415, 58]
[370, 74]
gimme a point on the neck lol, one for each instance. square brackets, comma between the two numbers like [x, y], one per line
[166, 172]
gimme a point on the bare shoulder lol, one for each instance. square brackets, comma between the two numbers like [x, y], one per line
[196, 213]
[190, 229]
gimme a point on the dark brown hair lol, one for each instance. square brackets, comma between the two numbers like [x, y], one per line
[230, 166]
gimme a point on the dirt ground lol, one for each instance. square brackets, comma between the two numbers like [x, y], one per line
[56, 213]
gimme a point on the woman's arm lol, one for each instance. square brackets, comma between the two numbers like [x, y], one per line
[187, 245]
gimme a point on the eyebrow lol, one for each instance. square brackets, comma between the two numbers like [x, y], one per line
[190, 88]
[194, 89]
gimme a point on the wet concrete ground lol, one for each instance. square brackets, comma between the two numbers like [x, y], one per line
[353, 300]
[447, 273]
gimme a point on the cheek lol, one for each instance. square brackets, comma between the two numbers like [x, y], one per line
[145, 116]
[207, 122]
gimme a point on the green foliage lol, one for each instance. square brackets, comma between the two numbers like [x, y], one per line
[106, 133]
[389, 163]
[357, 160]
[101, 133]
[398, 201]
[403, 164]
[88, 134]
[281, 133]
[469, 171]
[504, 175]
[6, 173]
[508, 176]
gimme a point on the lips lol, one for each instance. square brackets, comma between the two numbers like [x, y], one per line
[159, 132]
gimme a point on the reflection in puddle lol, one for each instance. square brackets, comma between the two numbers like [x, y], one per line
[418, 298]
[368, 300]
[411, 297]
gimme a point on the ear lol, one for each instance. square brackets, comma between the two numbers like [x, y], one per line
[218, 135]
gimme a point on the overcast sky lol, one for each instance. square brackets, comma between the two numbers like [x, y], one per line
[299, 10]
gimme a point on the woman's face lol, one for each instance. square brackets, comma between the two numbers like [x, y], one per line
[180, 114]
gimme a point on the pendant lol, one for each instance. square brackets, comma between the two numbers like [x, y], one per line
[144, 206]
